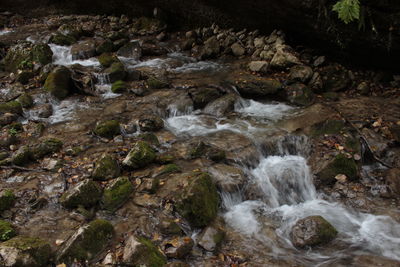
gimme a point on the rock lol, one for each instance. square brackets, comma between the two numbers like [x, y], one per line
[157, 82]
[169, 227]
[116, 193]
[145, 26]
[61, 39]
[167, 169]
[25, 252]
[150, 123]
[105, 46]
[7, 231]
[42, 111]
[131, 50]
[83, 50]
[301, 73]
[299, 94]
[46, 147]
[251, 86]
[153, 50]
[267, 55]
[142, 252]
[7, 199]
[319, 61]
[363, 88]
[198, 201]
[211, 238]
[211, 48]
[189, 43]
[335, 78]
[24, 77]
[106, 168]
[86, 193]
[259, 66]
[178, 248]
[11, 107]
[108, 129]
[227, 178]
[373, 260]
[238, 50]
[328, 127]
[395, 131]
[259, 42]
[22, 156]
[119, 87]
[107, 59]
[284, 57]
[25, 100]
[59, 83]
[221, 106]
[87, 242]
[312, 231]
[140, 155]
[393, 181]
[116, 72]
[7, 118]
[24, 55]
[202, 96]
[339, 165]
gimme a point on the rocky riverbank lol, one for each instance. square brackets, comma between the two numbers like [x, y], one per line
[123, 143]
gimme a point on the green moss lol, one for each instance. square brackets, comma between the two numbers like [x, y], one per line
[199, 202]
[105, 47]
[198, 150]
[150, 255]
[37, 249]
[165, 158]
[87, 193]
[216, 155]
[26, 100]
[140, 155]
[93, 240]
[150, 138]
[326, 232]
[340, 165]
[47, 147]
[106, 168]
[117, 193]
[6, 231]
[155, 83]
[219, 237]
[353, 145]
[329, 127]
[7, 199]
[41, 53]
[22, 156]
[116, 72]
[108, 129]
[11, 107]
[58, 82]
[107, 59]
[119, 87]
[61, 39]
[170, 168]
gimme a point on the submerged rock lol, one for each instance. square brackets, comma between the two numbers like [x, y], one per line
[86, 193]
[142, 252]
[89, 241]
[140, 155]
[59, 83]
[312, 231]
[25, 252]
[202, 96]
[106, 168]
[116, 193]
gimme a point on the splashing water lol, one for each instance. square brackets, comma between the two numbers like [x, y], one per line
[62, 56]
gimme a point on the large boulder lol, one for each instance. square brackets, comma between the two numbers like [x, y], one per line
[203, 95]
[59, 83]
[299, 94]
[131, 50]
[210, 49]
[83, 50]
[221, 106]
[312, 231]
[140, 155]
[106, 168]
[86, 193]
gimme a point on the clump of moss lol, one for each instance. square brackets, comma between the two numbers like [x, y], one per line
[47, 147]
[340, 165]
[140, 155]
[61, 39]
[155, 83]
[119, 87]
[106, 168]
[58, 82]
[145, 254]
[26, 100]
[150, 138]
[117, 193]
[170, 168]
[199, 201]
[108, 129]
[86, 193]
[116, 72]
[7, 199]
[22, 156]
[198, 150]
[11, 107]
[107, 59]
[165, 158]
[6, 231]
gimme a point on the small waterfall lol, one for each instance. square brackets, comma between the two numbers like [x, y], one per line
[62, 56]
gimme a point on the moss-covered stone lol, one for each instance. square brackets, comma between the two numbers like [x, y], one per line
[46, 147]
[26, 100]
[119, 87]
[170, 168]
[11, 107]
[25, 252]
[328, 127]
[61, 39]
[58, 82]
[340, 165]
[116, 193]
[151, 138]
[7, 231]
[24, 77]
[198, 150]
[7, 199]
[165, 158]
[22, 156]
[86, 193]
[156, 83]
[199, 201]
[108, 129]
[116, 72]
[142, 252]
[4, 155]
[140, 155]
[106, 46]
[88, 242]
[107, 59]
[106, 168]
[42, 54]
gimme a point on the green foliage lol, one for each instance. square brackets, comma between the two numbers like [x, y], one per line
[348, 10]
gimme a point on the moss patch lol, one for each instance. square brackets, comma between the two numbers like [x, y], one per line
[156, 83]
[148, 255]
[46, 147]
[117, 193]
[22, 156]
[116, 72]
[58, 82]
[61, 39]
[106, 168]
[170, 168]
[7, 199]
[11, 107]
[340, 165]
[86, 193]
[107, 59]
[25, 100]
[108, 129]
[140, 155]
[119, 87]
[6, 231]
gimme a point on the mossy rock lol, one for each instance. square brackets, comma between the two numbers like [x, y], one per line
[88, 242]
[340, 165]
[7, 199]
[108, 129]
[170, 168]
[142, 252]
[202, 96]
[22, 156]
[140, 155]
[165, 158]
[25, 252]
[151, 138]
[42, 53]
[106, 46]
[198, 150]
[116, 72]
[46, 147]
[61, 39]
[11, 107]
[116, 194]
[198, 203]
[58, 83]
[7, 231]
[107, 59]
[25, 100]
[328, 127]
[119, 87]
[353, 145]
[299, 94]
[106, 168]
[86, 193]
[156, 83]
[24, 77]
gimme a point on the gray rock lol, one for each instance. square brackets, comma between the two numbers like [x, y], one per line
[227, 178]
[259, 66]
[142, 252]
[86, 193]
[284, 57]
[267, 54]
[106, 168]
[83, 50]
[299, 94]
[301, 73]
[211, 238]
[259, 42]
[238, 50]
[221, 106]
[211, 48]
[131, 50]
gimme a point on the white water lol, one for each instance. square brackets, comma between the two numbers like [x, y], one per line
[62, 56]
[4, 32]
